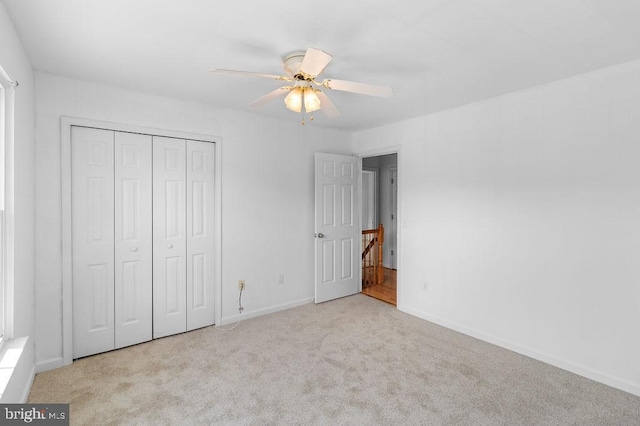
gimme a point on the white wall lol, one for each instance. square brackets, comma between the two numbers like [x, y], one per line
[369, 199]
[520, 221]
[17, 65]
[267, 195]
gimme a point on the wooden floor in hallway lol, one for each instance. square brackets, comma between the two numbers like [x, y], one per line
[387, 291]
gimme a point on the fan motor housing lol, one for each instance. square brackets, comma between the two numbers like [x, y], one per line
[293, 62]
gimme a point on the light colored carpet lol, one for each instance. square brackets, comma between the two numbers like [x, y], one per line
[351, 361]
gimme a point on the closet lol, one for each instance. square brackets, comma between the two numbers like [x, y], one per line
[142, 237]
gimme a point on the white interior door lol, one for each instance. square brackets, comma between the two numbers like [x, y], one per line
[92, 198]
[200, 242]
[337, 226]
[133, 248]
[169, 236]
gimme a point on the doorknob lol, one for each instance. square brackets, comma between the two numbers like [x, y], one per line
[320, 235]
[170, 246]
[134, 248]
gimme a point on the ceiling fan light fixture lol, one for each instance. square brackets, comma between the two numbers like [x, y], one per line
[293, 100]
[311, 101]
[302, 68]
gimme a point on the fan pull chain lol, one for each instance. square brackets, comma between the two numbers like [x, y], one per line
[304, 111]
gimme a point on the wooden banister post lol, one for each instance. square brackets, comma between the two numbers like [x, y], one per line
[380, 269]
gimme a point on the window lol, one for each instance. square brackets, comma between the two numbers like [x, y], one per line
[7, 87]
[2, 268]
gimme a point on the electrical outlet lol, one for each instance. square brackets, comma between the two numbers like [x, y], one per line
[280, 279]
[241, 285]
[425, 286]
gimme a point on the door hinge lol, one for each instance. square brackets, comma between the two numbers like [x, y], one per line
[391, 252]
[392, 217]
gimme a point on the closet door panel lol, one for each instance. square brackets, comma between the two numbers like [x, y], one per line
[200, 242]
[133, 239]
[92, 199]
[169, 236]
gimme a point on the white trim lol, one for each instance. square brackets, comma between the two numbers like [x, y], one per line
[217, 291]
[264, 311]
[7, 286]
[359, 186]
[5, 80]
[67, 266]
[565, 365]
[391, 209]
[67, 298]
[49, 364]
[377, 152]
[28, 384]
[132, 128]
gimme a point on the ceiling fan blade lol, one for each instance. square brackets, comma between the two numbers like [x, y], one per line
[327, 106]
[271, 95]
[362, 88]
[250, 74]
[314, 62]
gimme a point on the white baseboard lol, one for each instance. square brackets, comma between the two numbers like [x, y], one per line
[264, 311]
[565, 365]
[49, 364]
[57, 362]
[27, 388]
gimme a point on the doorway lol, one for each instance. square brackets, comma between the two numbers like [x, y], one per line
[379, 207]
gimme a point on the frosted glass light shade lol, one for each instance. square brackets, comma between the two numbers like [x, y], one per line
[311, 101]
[293, 100]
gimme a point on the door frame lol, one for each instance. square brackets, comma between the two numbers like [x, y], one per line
[394, 149]
[67, 289]
[394, 205]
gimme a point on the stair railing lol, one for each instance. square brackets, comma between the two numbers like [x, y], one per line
[372, 270]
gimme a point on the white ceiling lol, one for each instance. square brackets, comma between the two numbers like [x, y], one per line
[434, 53]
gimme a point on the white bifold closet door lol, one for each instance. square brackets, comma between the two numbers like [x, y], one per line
[133, 249]
[183, 196]
[200, 242]
[111, 237]
[169, 237]
[142, 236]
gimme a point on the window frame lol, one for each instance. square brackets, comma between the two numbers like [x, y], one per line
[7, 128]
[3, 114]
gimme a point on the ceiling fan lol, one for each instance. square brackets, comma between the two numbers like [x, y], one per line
[301, 69]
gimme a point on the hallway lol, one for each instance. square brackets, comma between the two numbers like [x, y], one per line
[387, 291]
